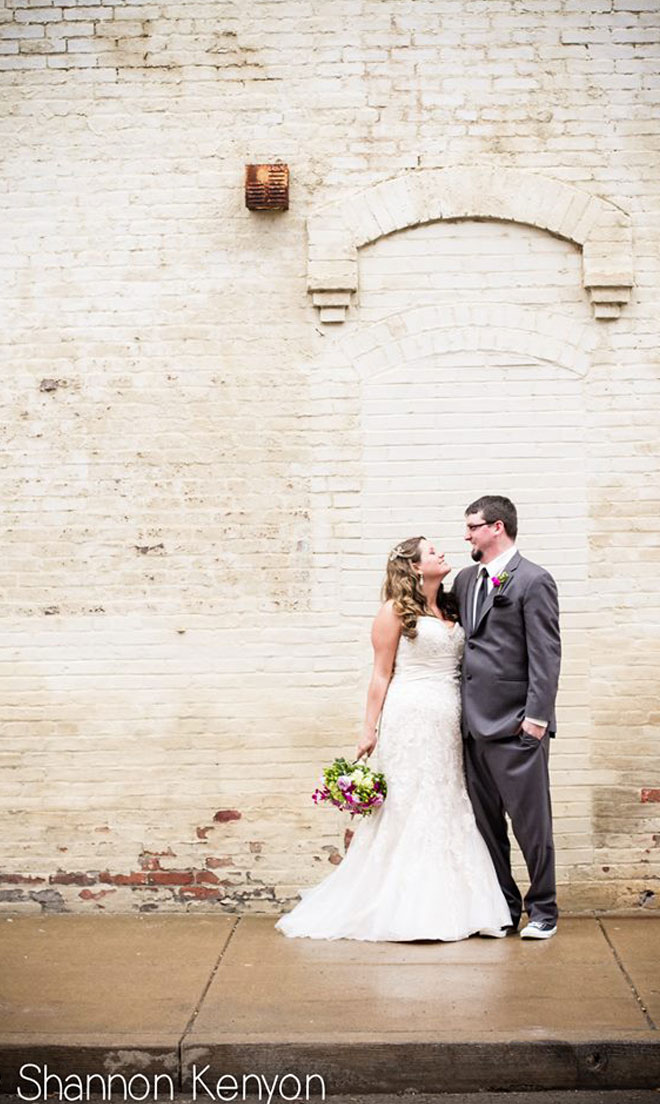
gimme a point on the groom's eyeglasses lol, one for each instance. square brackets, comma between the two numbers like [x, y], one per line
[479, 525]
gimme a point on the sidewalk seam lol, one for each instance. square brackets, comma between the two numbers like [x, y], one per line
[627, 976]
[195, 1012]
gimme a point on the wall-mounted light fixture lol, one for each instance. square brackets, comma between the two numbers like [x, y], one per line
[267, 187]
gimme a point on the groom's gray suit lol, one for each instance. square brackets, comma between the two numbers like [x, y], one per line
[510, 671]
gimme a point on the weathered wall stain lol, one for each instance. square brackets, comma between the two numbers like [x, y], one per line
[198, 495]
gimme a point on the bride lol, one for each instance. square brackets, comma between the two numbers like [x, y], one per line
[417, 868]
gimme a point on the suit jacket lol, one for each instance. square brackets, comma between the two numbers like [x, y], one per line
[512, 655]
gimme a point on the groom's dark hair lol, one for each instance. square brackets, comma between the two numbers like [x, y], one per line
[496, 508]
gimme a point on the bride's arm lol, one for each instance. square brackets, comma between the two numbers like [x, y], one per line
[385, 635]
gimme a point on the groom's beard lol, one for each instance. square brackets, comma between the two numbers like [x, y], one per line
[476, 554]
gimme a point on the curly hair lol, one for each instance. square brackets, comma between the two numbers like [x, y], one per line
[403, 587]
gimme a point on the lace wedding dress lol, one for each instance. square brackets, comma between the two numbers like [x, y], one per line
[417, 868]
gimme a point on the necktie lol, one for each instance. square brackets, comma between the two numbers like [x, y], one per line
[481, 594]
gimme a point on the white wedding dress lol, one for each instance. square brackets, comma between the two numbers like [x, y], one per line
[417, 868]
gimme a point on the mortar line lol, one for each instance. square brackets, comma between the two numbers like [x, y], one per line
[626, 975]
[200, 1001]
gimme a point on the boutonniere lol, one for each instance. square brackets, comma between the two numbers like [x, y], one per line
[499, 582]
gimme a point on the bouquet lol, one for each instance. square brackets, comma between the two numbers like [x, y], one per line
[352, 787]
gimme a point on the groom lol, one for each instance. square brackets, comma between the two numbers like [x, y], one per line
[508, 609]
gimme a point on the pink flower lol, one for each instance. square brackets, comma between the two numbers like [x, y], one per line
[496, 580]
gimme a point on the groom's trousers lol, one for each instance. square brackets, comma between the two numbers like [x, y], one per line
[511, 776]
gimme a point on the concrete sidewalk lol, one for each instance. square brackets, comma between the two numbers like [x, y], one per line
[196, 997]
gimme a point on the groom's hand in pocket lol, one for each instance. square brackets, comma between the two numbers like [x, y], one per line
[537, 731]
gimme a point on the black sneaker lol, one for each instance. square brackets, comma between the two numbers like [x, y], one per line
[539, 929]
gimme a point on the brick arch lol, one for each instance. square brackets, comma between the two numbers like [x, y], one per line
[337, 231]
[543, 335]
[364, 365]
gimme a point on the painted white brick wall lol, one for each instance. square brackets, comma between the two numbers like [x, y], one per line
[194, 518]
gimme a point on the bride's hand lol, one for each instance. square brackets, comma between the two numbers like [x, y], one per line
[367, 744]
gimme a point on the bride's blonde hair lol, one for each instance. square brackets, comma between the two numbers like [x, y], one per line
[402, 584]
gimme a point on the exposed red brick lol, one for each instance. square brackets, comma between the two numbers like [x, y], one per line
[223, 815]
[89, 895]
[135, 878]
[64, 877]
[214, 861]
[650, 795]
[23, 879]
[206, 876]
[202, 832]
[170, 877]
[148, 863]
[348, 836]
[334, 858]
[150, 860]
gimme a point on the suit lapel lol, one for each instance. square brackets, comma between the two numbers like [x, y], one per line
[488, 604]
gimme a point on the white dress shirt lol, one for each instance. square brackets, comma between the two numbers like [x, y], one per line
[496, 567]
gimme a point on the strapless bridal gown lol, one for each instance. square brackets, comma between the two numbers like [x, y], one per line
[417, 868]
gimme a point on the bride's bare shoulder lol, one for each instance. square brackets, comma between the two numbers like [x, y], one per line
[387, 621]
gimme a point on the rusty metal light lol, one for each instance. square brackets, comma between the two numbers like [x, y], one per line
[267, 187]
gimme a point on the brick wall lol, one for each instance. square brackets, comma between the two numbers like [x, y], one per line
[193, 462]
